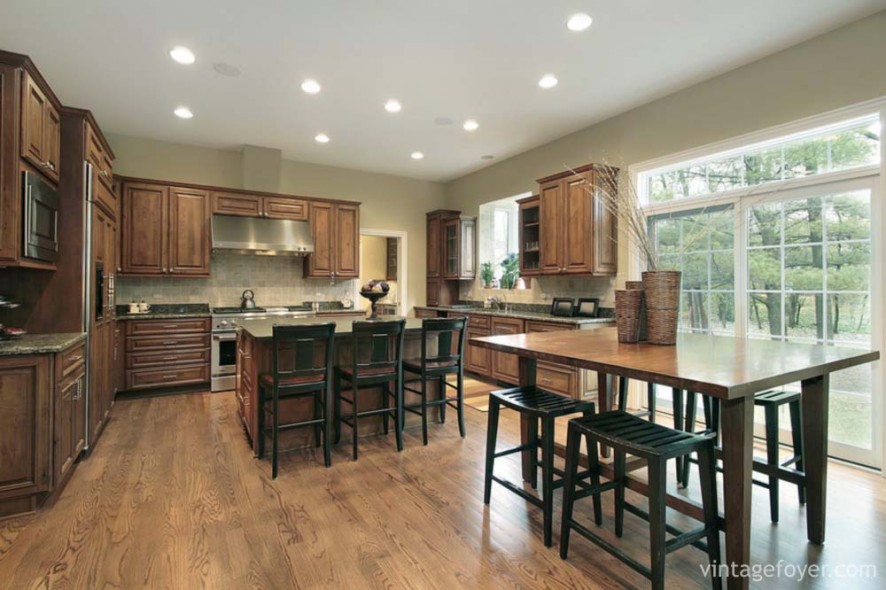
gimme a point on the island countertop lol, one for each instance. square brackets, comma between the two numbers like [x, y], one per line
[40, 343]
[264, 328]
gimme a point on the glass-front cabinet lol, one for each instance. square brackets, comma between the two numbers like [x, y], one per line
[459, 244]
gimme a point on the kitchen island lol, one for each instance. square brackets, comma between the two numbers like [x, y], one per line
[254, 351]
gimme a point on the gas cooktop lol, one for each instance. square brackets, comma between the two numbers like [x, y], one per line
[238, 311]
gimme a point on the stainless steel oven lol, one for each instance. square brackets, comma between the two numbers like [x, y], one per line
[224, 360]
[41, 218]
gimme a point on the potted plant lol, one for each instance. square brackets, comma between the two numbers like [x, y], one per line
[510, 267]
[487, 275]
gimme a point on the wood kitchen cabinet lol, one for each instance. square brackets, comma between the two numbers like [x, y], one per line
[167, 353]
[246, 205]
[69, 421]
[392, 259]
[30, 141]
[451, 254]
[166, 230]
[99, 156]
[335, 229]
[41, 128]
[477, 360]
[506, 366]
[577, 233]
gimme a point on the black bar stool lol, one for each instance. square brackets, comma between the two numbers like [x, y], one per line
[444, 357]
[377, 359]
[771, 401]
[543, 407]
[711, 409]
[301, 366]
[627, 434]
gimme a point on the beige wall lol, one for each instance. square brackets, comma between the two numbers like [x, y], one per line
[834, 70]
[388, 202]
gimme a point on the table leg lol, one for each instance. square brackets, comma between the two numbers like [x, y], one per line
[814, 401]
[604, 401]
[528, 428]
[738, 437]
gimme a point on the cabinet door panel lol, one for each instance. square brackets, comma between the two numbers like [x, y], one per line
[144, 229]
[34, 104]
[52, 141]
[63, 436]
[605, 236]
[467, 265]
[578, 231]
[347, 241]
[321, 262]
[550, 238]
[505, 366]
[190, 239]
[25, 443]
[282, 208]
[10, 225]
[477, 360]
[434, 250]
[236, 204]
[450, 249]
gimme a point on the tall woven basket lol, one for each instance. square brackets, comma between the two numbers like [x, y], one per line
[628, 314]
[662, 288]
[639, 285]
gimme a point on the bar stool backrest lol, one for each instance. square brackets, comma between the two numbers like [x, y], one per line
[442, 341]
[303, 354]
[378, 347]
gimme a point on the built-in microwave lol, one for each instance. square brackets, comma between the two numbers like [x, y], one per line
[41, 218]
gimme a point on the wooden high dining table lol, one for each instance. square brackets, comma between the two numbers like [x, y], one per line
[731, 369]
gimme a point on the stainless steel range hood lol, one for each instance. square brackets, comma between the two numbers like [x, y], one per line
[252, 235]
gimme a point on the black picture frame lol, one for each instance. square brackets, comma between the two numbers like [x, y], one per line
[563, 307]
[587, 307]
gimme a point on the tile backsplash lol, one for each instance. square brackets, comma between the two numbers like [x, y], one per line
[276, 280]
[542, 289]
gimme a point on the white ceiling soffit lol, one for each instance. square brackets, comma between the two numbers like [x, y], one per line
[458, 59]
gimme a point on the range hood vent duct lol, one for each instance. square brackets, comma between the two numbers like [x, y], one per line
[253, 235]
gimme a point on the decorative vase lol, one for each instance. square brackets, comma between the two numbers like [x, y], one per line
[638, 285]
[662, 289]
[628, 314]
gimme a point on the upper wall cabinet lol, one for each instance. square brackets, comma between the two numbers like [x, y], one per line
[30, 141]
[246, 205]
[165, 230]
[335, 229]
[576, 232]
[451, 247]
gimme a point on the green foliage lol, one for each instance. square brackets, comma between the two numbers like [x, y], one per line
[487, 274]
[510, 267]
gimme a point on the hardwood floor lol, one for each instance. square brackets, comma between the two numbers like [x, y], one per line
[172, 498]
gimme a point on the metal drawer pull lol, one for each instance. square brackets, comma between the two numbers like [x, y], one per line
[170, 376]
[169, 358]
[546, 380]
[170, 326]
[170, 342]
[76, 358]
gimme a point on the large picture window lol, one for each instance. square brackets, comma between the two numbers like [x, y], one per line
[774, 240]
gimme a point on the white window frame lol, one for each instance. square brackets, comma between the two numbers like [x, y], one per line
[864, 177]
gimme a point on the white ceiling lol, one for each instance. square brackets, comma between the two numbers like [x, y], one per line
[441, 58]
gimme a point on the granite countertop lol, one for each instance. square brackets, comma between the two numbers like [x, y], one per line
[161, 311]
[264, 328]
[518, 314]
[40, 343]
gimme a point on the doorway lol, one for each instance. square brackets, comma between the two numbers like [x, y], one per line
[383, 257]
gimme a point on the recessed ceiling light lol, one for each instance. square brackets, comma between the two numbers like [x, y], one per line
[417, 155]
[321, 138]
[183, 112]
[310, 86]
[393, 106]
[579, 22]
[548, 81]
[471, 125]
[487, 157]
[182, 55]
[443, 121]
[226, 69]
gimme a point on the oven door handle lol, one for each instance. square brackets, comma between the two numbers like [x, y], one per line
[224, 337]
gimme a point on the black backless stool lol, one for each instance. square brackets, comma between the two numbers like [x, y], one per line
[539, 406]
[771, 401]
[444, 357]
[301, 366]
[376, 360]
[628, 434]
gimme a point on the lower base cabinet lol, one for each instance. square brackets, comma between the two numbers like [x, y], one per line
[163, 353]
[42, 425]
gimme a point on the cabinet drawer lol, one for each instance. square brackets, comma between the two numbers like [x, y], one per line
[236, 204]
[556, 378]
[72, 359]
[153, 327]
[279, 208]
[166, 377]
[142, 344]
[533, 326]
[140, 360]
[478, 321]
